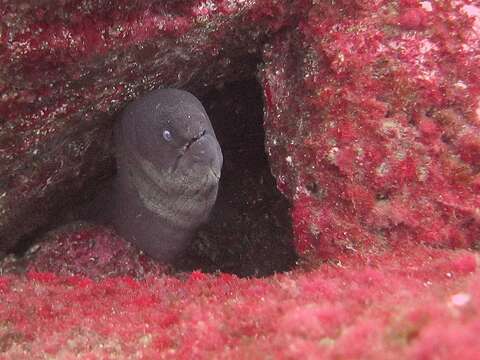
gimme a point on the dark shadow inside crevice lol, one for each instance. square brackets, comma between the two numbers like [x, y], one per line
[249, 232]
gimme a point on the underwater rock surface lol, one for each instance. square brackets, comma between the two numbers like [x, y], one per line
[371, 110]
[373, 125]
[413, 302]
[372, 131]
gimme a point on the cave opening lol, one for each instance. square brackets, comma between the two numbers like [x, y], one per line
[249, 232]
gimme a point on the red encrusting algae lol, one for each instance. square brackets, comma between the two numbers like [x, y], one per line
[413, 302]
[90, 251]
[373, 127]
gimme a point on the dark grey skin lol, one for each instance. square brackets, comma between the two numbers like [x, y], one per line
[168, 168]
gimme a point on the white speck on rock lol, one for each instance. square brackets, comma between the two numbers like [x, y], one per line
[460, 299]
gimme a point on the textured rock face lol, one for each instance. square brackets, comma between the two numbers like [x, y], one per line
[372, 112]
[373, 128]
[372, 123]
[90, 251]
[67, 67]
[343, 311]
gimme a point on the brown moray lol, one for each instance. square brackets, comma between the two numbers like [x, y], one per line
[168, 168]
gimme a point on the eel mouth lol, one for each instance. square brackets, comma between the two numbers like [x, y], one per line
[192, 141]
[187, 146]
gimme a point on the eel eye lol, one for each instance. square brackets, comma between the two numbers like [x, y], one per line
[167, 135]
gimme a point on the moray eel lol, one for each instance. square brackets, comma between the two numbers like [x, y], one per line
[168, 169]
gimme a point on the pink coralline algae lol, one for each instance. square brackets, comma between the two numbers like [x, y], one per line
[90, 251]
[398, 305]
[373, 128]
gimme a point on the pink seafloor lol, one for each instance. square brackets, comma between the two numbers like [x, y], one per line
[372, 128]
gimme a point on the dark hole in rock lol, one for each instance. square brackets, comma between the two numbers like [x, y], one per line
[312, 187]
[249, 232]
